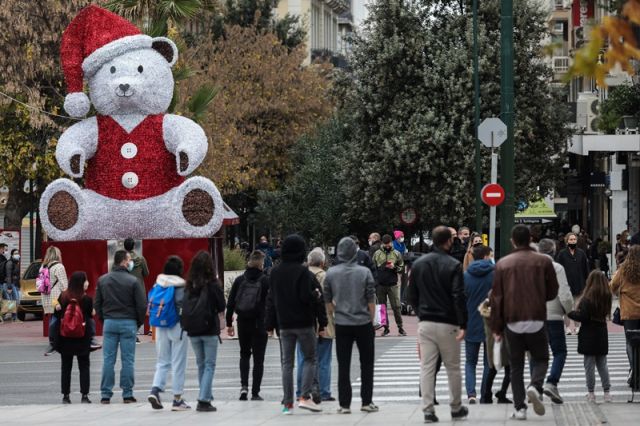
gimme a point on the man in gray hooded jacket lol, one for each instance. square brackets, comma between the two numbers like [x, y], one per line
[349, 291]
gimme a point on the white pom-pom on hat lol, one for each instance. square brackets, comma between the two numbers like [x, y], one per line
[77, 104]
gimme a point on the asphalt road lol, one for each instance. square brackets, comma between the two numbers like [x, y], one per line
[28, 377]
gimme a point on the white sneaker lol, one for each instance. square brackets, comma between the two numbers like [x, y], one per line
[536, 400]
[591, 397]
[343, 410]
[308, 404]
[608, 398]
[520, 414]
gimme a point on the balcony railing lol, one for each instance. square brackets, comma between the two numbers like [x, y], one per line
[561, 64]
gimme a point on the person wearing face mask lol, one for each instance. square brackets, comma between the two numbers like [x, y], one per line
[388, 264]
[576, 265]
[12, 272]
[121, 305]
[465, 236]
[398, 242]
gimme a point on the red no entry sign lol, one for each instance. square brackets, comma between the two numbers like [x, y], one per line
[492, 194]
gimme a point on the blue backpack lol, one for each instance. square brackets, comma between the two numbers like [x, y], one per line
[161, 307]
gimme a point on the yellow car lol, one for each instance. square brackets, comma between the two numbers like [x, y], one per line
[30, 300]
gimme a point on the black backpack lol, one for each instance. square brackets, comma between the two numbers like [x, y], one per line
[248, 298]
[197, 316]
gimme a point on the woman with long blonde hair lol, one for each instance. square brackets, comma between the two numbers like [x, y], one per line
[58, 278]
[626, 284]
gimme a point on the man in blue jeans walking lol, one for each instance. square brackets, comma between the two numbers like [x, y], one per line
[477, 282]
[556, 309]
[121, 306]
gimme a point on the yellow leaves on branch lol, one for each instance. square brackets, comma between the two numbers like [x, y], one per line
[266, 101]
[623, 45]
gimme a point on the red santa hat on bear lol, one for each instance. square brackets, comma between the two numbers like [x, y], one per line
[96, 36]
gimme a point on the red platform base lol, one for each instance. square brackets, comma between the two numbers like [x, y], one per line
[92, 257]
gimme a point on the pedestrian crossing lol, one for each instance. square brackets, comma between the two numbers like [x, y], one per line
[397, 373]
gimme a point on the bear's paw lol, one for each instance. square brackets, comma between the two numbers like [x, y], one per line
[77, 104]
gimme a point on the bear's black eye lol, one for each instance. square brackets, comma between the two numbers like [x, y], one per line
[140, 69]
[113, 70]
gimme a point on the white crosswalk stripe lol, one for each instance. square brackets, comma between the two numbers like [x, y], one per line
[397, 373]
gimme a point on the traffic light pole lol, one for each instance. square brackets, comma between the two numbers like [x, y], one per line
[507, 210]
[476, 107]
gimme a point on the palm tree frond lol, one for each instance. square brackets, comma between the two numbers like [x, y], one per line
[179, 10]
[200, 101]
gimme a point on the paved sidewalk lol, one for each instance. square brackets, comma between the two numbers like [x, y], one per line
[268, 413]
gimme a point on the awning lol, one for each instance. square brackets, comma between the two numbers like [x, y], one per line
[537, 212]
[230, 217]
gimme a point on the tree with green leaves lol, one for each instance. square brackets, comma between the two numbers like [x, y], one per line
[312, 201]
[409, 92]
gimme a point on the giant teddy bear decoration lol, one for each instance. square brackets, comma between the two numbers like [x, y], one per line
[137, 156]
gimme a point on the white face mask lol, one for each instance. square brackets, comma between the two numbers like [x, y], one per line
[130, 266]
[16, 257]
[401, 240]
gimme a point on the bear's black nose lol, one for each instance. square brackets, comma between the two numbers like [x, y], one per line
[124, 88]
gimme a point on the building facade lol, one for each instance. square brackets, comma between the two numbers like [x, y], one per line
[326, 22]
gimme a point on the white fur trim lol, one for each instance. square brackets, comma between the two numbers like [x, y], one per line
[77, 104]
[103, 218]
[94, 61]
[170, 281]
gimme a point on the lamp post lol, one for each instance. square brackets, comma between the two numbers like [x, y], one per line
[507, 212]
[476, 108]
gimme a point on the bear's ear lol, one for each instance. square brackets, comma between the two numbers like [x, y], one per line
[166, 48]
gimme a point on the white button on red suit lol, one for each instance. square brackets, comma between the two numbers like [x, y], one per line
[129, 180]
[129, 150]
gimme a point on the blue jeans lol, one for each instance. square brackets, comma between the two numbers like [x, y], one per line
[206, 350]
[472, 349]
[323, 372]
[120, 332]
[558, 343]
[171, 347]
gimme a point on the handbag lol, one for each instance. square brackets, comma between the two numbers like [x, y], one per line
[615, 318]
[497, 355]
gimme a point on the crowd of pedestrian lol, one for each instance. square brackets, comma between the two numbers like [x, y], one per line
[513, 309]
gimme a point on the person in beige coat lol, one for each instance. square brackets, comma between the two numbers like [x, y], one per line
[322, 384]
[626, 285]
[59, 283]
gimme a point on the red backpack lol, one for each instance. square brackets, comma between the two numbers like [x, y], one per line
[73, 321]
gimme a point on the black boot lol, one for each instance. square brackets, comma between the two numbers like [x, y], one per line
[65, 399]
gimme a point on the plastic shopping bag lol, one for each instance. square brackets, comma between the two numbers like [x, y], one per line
[383, 315]
[497, 355]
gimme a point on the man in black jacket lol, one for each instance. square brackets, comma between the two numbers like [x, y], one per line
[436, 292]
[121, 305]
[294, 305]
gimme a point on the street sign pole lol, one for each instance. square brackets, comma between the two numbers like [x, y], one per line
[507, 210]
[492, 209]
